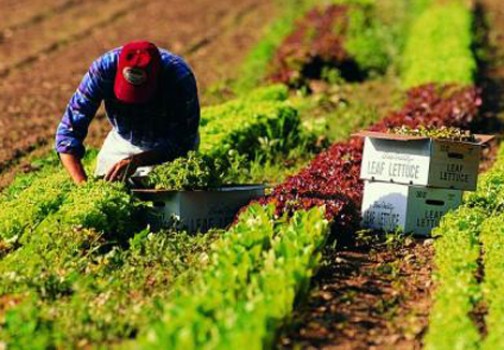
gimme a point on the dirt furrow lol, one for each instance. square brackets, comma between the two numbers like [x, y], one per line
[27, 45]
[22, 13]
[375, 295]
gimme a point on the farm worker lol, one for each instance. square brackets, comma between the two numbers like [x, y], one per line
[151, 100]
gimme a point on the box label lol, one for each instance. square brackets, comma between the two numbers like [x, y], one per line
[429, 218]
[395, 168]
[381, 215]
[454, 173]
[403, 162]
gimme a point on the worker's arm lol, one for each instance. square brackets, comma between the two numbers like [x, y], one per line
[79, 112]
[74, 167]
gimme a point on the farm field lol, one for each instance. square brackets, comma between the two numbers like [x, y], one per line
[283, 86]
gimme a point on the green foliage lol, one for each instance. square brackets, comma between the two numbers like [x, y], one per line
[39, 168]
[33, 196]
[65, 237]
[29, 207]
[98, 205]
[492, 239]
[439, 47]
[457, 254]
[248, 287]
[367, 41]
[490, 195]
[109, 295]
[197, 171]
[239, 125]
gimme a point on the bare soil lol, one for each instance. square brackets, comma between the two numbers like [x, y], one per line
[372, 295]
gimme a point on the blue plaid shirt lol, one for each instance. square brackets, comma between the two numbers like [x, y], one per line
[168, 123]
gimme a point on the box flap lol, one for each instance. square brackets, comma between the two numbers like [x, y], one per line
[481, 139]
[388, 136]
[153, 194]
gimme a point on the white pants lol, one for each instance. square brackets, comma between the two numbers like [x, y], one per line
[114, 149]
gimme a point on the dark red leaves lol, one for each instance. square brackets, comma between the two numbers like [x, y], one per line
[316, 41]
[332, 178]
[431, 105]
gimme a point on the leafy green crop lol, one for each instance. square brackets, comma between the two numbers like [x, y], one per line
[32, 197]
[239, 125]
[32, 205]
[107, 297]
[457, 254]
[197, 171]
[492, 239]
[439, 47]
[247, 288]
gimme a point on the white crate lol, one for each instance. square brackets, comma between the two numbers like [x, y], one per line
[387, 206]
[421, 161]
[197, 210]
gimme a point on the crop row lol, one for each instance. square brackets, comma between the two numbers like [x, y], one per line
[457, 257]
[90, 292]
[236, 125]
[444, 32]
[254, 273]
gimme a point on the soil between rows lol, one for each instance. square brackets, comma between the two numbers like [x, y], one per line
[374, 295]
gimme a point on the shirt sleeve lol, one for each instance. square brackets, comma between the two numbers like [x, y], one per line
[184, 137]
[82, 107]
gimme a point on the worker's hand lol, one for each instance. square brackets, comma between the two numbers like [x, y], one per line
[122, 170]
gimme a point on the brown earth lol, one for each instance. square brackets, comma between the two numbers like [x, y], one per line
[46, 49]
[373, 295]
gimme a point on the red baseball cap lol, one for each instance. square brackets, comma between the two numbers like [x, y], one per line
[138, 72]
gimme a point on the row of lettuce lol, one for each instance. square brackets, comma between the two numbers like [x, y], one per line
[82, 274]
[469, 240]
[464, 234]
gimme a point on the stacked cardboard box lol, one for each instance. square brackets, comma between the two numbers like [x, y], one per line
[411, 181]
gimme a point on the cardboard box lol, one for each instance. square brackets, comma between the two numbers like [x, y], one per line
[387, 206]
[197, 210]
[421, 161]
